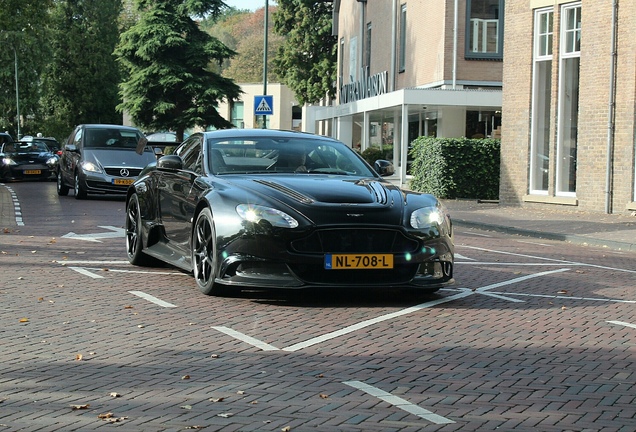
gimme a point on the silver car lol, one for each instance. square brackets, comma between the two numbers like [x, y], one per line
[102, 159]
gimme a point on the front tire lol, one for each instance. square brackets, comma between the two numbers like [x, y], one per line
[62, 189]
[80, 191]
[134, 239]
[204, 261]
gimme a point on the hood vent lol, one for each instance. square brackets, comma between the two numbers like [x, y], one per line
[378, 190]
[287, 191]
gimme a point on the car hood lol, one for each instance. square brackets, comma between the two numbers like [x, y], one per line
[336, 199]
[120, 157]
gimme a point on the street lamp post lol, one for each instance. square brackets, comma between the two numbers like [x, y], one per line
[265, 59]
[17, 91]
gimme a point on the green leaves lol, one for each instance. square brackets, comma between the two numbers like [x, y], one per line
[456, 167]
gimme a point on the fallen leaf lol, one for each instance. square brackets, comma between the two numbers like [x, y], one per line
[78, 357]
[104, 269]
[214, 356]
[128, 307]
[188, 407]
[240, 392]
[20, 278]
[92, 353]
[115, 394]
[219, 399]
[324, 396]
[115, 420]
[320, 376]
[563, 308]
[140, 326]
[562, 292]
[40, 299]
[79, 407]
[286, 429]
[33, 252]
[225, 415]
[194, 427]
[6, 230]
[105, 416]
[23, 320]
[185, 377]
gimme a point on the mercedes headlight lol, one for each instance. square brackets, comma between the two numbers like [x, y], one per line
[8, 161]
[427, 217]
[257, 213]
[90, 166]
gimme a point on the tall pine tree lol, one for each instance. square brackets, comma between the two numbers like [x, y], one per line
[307, 60]
[166, 57]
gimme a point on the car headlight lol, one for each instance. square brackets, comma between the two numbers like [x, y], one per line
[52, 161]
[427, 217]
[8, 161]
[90, 166]
[257, 213]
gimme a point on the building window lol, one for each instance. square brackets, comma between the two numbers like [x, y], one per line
[570, 55]
[402, 50]
[368, 47]
[541, 97]
[236, 115]
[484, 23]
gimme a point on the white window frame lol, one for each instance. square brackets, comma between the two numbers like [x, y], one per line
[542, 52]
[565, 53]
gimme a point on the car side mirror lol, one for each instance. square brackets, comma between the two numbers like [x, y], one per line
[170, 162]
[384, 167]
[71, 148]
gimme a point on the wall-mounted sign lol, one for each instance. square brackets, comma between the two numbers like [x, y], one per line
[367, 86]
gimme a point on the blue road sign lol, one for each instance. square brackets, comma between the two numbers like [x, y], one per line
[264, 105]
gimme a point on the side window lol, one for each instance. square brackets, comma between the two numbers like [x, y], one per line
[191, 154]
[78, 138]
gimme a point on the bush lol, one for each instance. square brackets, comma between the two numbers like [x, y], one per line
[374, 153]
[456, 167]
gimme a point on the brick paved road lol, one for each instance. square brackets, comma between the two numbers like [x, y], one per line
[535, 336]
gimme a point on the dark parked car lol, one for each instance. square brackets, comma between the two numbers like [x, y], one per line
[27, 160]
[101, 159]
[5, 138]
[265, 208]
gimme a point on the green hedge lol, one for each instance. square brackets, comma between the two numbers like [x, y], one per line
[374, 153]
[456, 167]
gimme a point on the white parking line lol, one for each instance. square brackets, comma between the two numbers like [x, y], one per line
[373, 321]
[245, 338]
[563, 297]
[152, 299]
[621, 323]
[398, 402]
[85, 272]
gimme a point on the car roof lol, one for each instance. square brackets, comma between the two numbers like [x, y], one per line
[266, 133]
[109, 126]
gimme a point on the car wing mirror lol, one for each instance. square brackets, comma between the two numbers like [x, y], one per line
[170, 163]
[384, 167]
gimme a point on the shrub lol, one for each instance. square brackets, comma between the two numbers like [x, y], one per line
[456, 167]
[374, 153]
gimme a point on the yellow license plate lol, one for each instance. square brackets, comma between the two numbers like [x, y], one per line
[358, 261]
[32, 172]
[123, 181]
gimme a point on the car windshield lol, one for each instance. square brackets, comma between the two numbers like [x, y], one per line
[112, 138]
[256, 155]
[29, 147]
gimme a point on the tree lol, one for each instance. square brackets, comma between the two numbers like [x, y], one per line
[307, 59]
[82, 78]
[23, 36]
[166, 55]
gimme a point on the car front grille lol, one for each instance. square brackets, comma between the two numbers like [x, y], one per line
[116, 171]
[359, 240]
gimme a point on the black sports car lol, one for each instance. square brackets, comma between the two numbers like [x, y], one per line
[27, 160]
[265, 208]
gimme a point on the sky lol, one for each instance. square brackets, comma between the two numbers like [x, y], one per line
[249, 4]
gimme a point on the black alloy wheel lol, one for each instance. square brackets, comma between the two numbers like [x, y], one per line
[80, 191]
[62, 189]
[134, 240]
[204, 261]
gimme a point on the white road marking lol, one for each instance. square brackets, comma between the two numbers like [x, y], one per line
[500, 263]
[17, 210]
[92, 262]
[563, 297]
[519, 279]
[152, 299]
[550, 259]
[460, 256]
[398, 402]
[115, 233]
[475, 234]
[621, 323]
[376, 320]
[86, 272]
[245, 338]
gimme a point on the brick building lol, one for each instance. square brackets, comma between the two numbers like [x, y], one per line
[408, 68]
[569, 76]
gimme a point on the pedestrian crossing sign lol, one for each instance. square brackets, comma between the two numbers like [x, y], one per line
[264, 105]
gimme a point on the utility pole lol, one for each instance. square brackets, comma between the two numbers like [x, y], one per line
[265, 58]
[17, 91]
